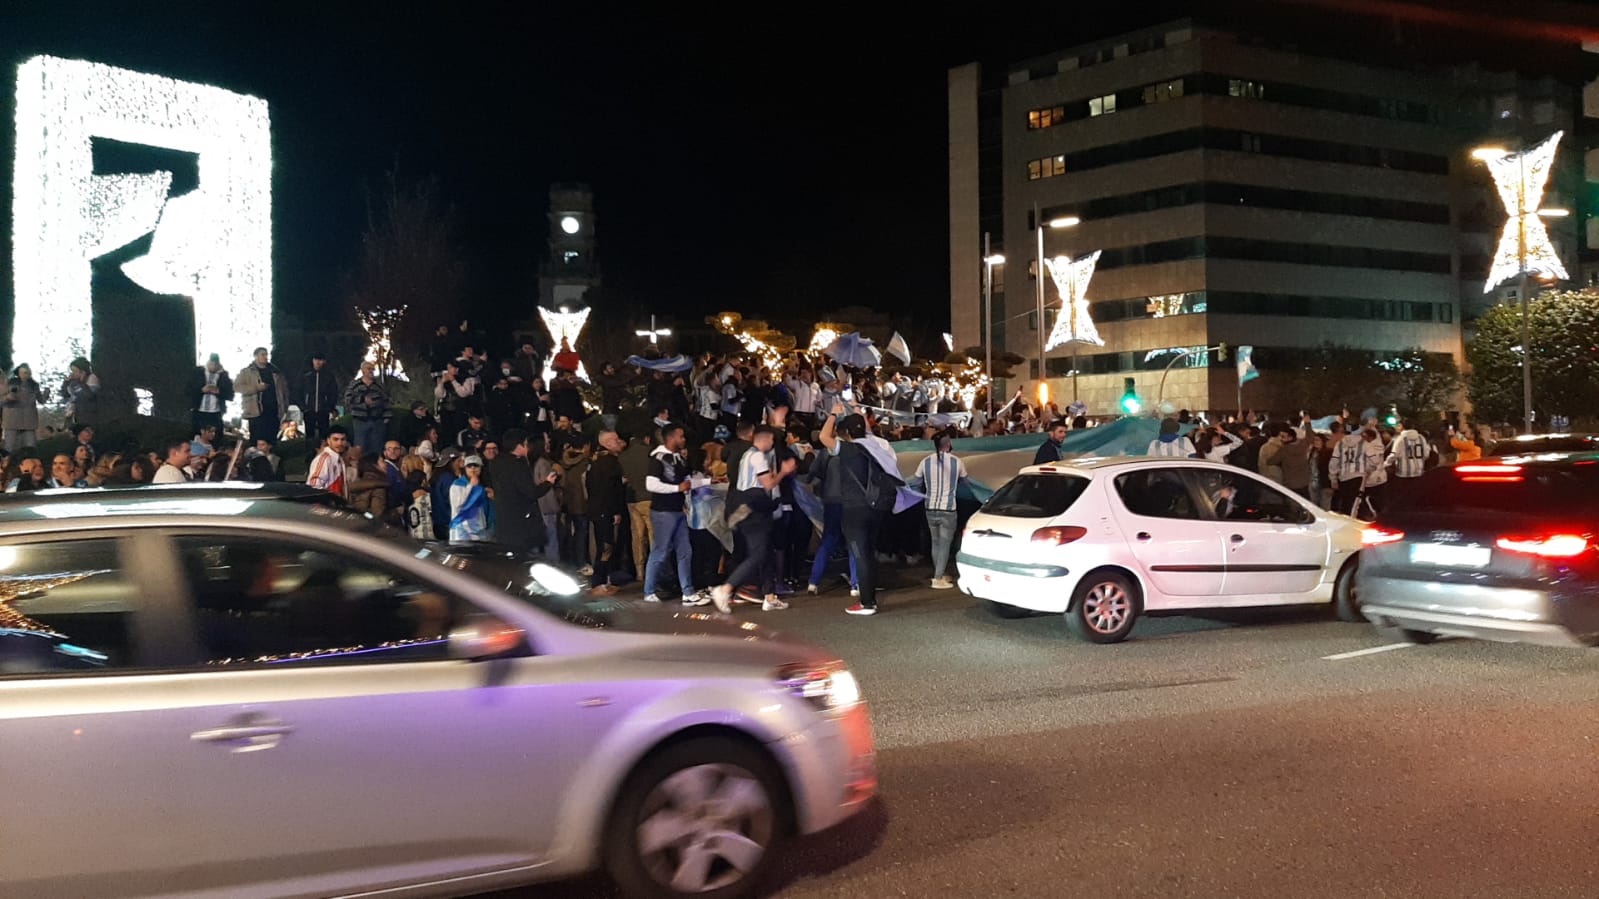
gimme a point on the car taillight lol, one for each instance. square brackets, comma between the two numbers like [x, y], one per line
[1377, 536]
[1489, 474]
[1556, 546]
[1059, 535]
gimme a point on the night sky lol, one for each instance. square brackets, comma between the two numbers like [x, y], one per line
[751, 161]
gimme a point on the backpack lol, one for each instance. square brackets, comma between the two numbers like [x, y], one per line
[881, 488]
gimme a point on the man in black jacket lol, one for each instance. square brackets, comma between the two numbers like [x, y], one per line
[517, 520]
[607, 506]
[210, 391]
[319, 400]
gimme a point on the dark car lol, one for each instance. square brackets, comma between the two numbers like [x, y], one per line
[1534, 444]
[1498, 550]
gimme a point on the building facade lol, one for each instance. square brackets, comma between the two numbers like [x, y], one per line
[1240, 193]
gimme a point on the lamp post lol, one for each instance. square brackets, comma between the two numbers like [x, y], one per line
[990, 260]
[1524, 215]
[1038, 277]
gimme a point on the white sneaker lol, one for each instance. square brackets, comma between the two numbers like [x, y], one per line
[723, 597]
[942, 583]
[773, 604]
[811, 589]
[652, 598]
[702, 598]
[854, 593]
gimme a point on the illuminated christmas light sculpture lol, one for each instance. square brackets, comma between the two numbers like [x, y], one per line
[212, 244]
[1071, 277]
[1524, 246]
[566, 326]
[379, 325]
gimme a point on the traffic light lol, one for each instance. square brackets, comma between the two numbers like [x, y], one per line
[1130, 401]
[1221, 353]
[1392, 418]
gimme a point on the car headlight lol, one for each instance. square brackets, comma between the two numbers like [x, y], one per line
[828, 687]
[553, 580]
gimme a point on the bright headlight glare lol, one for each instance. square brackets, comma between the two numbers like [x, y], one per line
[554, 579]
[824, 686]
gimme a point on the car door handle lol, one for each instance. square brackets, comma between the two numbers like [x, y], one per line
[1237, 538]
[1144, 536]
[246, 733]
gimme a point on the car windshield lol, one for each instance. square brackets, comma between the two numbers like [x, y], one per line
[1530, 490]
[1563, 443]
[1036, 496]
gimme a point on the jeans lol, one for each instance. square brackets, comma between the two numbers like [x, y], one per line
[369, 434]
[671, 535]
[941, 528]
[832, 536]
[552, 536]
[756, 568]
[638, 516]
[860, 534]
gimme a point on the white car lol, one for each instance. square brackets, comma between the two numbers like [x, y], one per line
[1106, 540]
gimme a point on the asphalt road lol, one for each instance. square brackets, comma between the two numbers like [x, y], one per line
[1207, 756]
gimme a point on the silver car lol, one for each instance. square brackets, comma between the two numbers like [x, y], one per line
[215, 693]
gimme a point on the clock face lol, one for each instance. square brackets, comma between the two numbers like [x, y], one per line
[570, 224]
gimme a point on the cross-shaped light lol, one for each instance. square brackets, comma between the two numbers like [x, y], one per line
[1071, 277]
[1524, 246]
[654, 333]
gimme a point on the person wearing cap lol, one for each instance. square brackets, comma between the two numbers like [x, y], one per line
[469, 504]
[210, 391]
[319, 400]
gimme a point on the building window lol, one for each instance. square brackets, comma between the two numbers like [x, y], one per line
[1048, 117]
[1048, 167]
[1102, 105]
[569, 257]
[1160, 93]
[1249, 143]
[1241, 87]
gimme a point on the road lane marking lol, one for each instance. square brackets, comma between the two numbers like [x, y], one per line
[1366, 652]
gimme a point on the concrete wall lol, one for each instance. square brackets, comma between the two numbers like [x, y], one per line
[965, 238]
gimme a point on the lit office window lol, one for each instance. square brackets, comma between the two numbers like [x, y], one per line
[1102, 105]
[1048, 167]
[1239, 87]
[1160, 93]
[1047, 117]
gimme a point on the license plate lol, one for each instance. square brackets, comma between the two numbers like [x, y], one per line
[1451, 556]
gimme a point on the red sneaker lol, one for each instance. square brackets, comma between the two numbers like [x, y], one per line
[859, 609]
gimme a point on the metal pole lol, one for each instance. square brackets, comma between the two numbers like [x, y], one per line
[1526, 328]
[988, 321]
[1038, 279]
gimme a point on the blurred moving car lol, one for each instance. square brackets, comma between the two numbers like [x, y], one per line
[209, 693]
[1533, 444]
[1500, 550]
[1106, 540]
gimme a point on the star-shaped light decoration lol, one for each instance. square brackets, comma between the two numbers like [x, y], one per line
[1520, 179]
[566, 326]
[1071, 278]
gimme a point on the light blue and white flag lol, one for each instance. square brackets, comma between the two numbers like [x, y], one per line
[1246, 365]
[899, 348]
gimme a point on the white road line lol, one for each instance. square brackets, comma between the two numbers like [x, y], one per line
[1366, 652]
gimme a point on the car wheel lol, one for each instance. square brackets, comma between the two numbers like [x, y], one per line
[1346, 594]
[1005, 610]
[702, 818]
[1103, 609]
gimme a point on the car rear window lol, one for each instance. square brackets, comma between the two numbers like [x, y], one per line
[1571, 444]
[1036, 495]
[1527, 490]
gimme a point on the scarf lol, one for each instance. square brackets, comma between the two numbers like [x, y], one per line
[476, 501]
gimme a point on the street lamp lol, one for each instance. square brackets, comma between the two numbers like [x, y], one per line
[1520, 187]
[990, 259]
[1039, 225]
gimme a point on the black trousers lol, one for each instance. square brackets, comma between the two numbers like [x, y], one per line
[316, 430]
[756, 567]
[605, 549]
[266, 425]
[860, 535]
[708, 553]
[1345, 493]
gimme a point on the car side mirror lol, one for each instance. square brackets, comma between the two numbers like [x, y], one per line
[486, 638]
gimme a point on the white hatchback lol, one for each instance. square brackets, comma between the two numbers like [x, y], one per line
[1105, 540]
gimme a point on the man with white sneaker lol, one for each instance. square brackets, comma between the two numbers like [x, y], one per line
[755, 496]
[939, 476]
[668, 484]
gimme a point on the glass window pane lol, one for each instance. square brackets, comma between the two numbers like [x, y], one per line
[65, 607]
[1156, 493]
[264, 602]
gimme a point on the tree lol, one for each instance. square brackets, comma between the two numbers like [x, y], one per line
[1564, 332]
[1427, 383]
[411, 258]
[1327, 378]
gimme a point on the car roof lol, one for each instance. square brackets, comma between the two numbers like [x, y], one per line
[1088, 466]
[178, 504]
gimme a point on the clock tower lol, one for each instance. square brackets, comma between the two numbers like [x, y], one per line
[570, 268]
